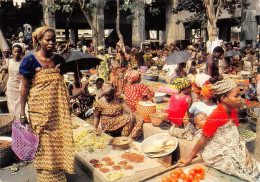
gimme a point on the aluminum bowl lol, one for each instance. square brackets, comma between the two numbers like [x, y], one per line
[157, 139]
[159, 97]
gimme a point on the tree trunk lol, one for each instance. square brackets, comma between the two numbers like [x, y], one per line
[120, 36]
[212, 30]
[257, 140]
[93, 28]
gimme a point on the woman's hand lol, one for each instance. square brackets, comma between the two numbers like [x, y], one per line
[184, 161]
[132, 117]
[100, 127]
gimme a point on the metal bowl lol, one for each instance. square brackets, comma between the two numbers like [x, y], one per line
[157, 139]
[159, 97]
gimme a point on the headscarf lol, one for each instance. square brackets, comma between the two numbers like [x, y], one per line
[132, 76]
[107, 88]
[6, 50]
[37, 35]
[207, 91]
[181, 83]
[223, 86]
[22, 45]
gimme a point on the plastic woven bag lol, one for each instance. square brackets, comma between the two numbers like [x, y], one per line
[24, 143]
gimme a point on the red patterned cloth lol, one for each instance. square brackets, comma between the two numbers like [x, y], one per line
[218, 118]
[134, 93]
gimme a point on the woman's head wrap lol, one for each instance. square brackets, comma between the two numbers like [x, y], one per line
[223, 86]
[132, 76]
[207, 91]
[107, 88]
[22, 45]
[37, 35]
[181, 83]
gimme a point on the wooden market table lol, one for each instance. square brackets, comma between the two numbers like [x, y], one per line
[83, 158]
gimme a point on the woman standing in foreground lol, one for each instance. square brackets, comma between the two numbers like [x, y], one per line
[49, 115]
[221, 145]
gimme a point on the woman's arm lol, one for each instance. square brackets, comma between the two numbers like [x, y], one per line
[128, 110]
[24, 95]
[96, 119]
[198, 147]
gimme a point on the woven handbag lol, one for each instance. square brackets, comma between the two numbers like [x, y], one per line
[25, 143]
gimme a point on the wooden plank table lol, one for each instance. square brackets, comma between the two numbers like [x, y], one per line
[93, 173]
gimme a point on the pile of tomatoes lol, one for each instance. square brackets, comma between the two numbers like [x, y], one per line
[195, 175]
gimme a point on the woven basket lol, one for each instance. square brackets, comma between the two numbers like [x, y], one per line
[6, 121]
[157, 118]
[7, 156]
[145, 112]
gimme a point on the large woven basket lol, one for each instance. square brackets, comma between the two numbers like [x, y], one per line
[6, 121]
[7, 155]
[145, 112]
[157, 118]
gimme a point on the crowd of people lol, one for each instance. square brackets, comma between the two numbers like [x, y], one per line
[35, 78]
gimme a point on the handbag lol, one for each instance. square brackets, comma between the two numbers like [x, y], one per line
[25, 142]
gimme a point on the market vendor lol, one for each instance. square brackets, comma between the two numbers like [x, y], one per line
[221, 145]
[179, 103]
[212, 68]
[109, 115]
[134, 91]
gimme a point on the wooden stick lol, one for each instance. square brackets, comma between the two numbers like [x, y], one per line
[160, 172]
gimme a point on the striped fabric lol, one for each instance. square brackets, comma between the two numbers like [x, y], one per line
[50, 119]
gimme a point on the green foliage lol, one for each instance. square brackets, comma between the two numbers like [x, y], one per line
[198, 8]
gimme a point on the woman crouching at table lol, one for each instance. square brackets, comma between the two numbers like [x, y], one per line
[221, 145]
[109, 115]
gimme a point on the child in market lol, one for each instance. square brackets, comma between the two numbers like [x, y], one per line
[221, 145]
[251, 90]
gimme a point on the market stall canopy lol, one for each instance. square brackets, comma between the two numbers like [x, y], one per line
[231, 53]
[80, 61]
[178, 57]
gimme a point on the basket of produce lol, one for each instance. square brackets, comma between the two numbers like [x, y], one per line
[6, 121]
[248, 135]
[145, 109]
[7, 156]
[157, 118]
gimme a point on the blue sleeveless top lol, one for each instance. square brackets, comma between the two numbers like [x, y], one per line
[30, 63]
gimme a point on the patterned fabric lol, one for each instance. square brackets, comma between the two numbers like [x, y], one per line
[103, 69]
[113, 119]
[119, 73]
[50, 118]
[132, 76]
[223, 86]
[252, 89]
[50, 176]
[135, 93]
[226, 152]
[181, 83]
